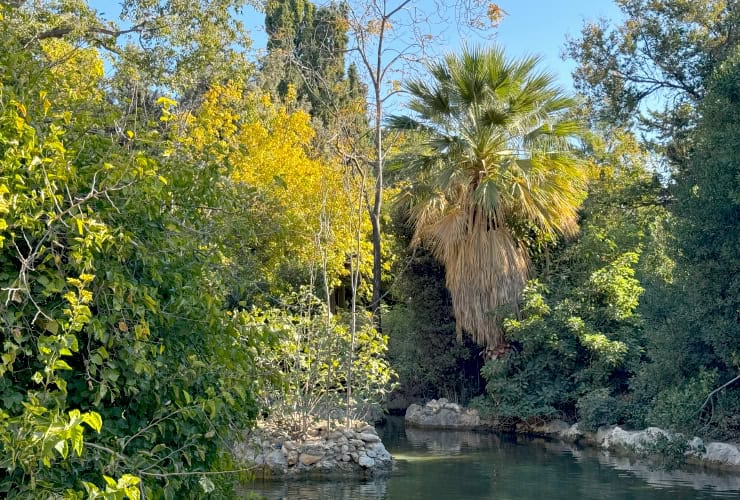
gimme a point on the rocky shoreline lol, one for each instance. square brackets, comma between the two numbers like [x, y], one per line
[442, 414]
[326, 449]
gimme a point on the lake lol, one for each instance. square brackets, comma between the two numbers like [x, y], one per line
[470, 465]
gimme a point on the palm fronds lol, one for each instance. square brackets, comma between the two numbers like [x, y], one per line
[495, 155]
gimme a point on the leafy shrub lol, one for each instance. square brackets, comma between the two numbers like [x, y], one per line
[597, 408]
[666, 452]
[314, 362]
[677, 408]
[430, 361]
[579, 337]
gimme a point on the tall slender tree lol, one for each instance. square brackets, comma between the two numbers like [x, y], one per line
[306, 51]
[493, 173]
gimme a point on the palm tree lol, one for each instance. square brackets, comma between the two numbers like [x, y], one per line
[493, 171]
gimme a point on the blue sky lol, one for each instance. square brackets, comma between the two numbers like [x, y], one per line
[530, 27]
[540, 27]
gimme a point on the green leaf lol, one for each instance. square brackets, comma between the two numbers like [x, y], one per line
[94, 420]
[60, 364]
[62, 447]
[206, 484]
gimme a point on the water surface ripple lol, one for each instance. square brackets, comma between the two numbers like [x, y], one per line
[468, 465]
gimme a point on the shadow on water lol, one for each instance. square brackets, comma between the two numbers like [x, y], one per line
[470, 465]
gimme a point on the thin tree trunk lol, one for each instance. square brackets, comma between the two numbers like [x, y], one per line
[378, 194]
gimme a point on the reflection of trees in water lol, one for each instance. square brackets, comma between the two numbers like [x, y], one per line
[691, 477]
[697, 479]
[317, 490]
[451, 441]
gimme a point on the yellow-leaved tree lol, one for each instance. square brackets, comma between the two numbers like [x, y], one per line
[265, 146]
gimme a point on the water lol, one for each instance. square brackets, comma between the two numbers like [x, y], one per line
[468, 465]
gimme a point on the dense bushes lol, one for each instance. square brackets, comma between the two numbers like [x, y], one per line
[695, 319]
[112, 275]
[579, 338]
[430, 361]
[636, 321]
[132, 241]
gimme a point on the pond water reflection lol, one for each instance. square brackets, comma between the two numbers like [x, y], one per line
[469, 465]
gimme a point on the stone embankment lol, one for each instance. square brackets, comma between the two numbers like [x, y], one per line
[322, 450]
[441, 414]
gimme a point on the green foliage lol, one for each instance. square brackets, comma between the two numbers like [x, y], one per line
[579, 336]
[597, 408]
[315, 363]
[126, 487]
[113, 276]
[492, 172]
[306, 50]
[666, 452]
[430, 362]
[694, 318]
[677, 407]
[652, 68]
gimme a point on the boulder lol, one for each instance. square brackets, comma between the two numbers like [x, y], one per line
[442, 414]
[571, 434]
[369, 437]
[276, 461]
[723, 454]
[366, 461]
[308, 459]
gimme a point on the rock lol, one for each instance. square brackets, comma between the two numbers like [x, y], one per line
[442, 414]
[572, 434]
[314, 449]
[696, 444]
[722, 453]
[382, 454]
[329, 450]
[434, 404]
[453, 406]
[276, 461]
[335, 435]
[413, 411]
[308, 459]
[369, 437]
